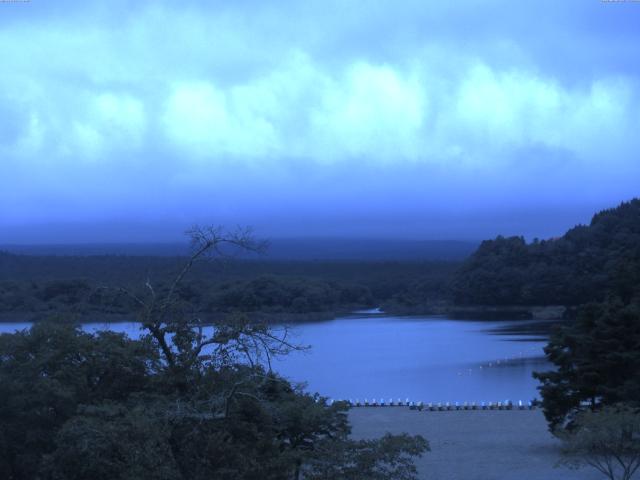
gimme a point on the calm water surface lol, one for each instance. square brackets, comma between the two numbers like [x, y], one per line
[420, 358]
[428, 359]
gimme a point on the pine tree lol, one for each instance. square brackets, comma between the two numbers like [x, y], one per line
[597, 360]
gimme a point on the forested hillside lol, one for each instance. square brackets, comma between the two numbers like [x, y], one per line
[586, 264]
[87, 286]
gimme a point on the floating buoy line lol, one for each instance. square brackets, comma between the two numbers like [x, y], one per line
[449, 406]
[523, 354]
[440, 406]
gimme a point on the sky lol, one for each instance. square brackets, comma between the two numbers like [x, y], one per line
[129, 121]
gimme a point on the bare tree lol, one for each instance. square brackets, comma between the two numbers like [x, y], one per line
[607, 440]
[180, 332]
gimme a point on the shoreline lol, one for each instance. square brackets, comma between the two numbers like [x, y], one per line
[476, 313]
[209, 319]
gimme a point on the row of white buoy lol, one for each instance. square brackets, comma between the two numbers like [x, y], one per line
[440, 406]
[498, 362]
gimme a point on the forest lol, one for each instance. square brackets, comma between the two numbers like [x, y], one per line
[586, 264]
[88, 287]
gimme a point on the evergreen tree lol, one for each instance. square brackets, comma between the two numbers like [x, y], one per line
[586, 264]
[597, 361]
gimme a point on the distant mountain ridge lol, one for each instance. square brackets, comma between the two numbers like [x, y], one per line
[586, 264]
[281, 249]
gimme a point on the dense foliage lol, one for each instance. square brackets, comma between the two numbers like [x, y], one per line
[184, 402]
[75, 405]
[584, 265]
[597, 360]
[607, 440]
[81, 287]
[264, 294]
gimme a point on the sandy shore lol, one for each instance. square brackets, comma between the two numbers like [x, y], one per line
[474, 445]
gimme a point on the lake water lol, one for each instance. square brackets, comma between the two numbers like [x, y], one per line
[426, 359]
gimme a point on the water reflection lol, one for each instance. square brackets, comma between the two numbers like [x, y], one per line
[428, 359]
[423, 358]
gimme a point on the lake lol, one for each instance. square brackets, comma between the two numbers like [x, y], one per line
[428, 359]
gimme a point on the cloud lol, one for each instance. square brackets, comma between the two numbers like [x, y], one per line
[373, 111]
[330, 97]
[106, 124]
[385, 113]
[299, 110]
[513, 109]
[458, 112]
[207, 122]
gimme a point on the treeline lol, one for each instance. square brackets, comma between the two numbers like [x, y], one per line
[86, 287]
[586, 264]
[264, 294]
[591, 398]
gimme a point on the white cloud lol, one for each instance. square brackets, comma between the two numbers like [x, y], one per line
[208, 122]
[214, 88]
[109, 123]
[499, 111]
[120, 116]
[300, 111]
[143, 108]
[372, 112]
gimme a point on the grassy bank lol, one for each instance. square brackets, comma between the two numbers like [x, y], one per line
[474, 445]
